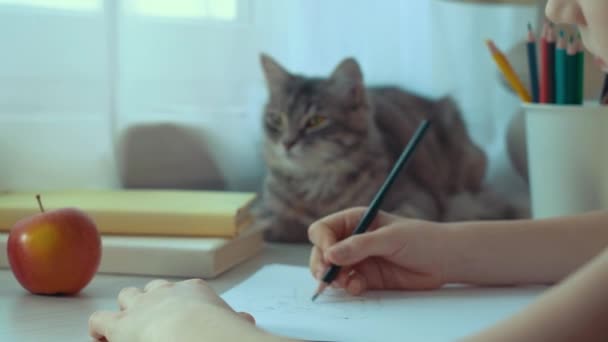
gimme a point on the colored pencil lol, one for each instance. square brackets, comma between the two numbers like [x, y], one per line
[545, 71]
[571, 72]
[604, 95]
[580, 71]
[372, 210]
[551, 61]
[560, 70]
[533, 64]
[507, 70]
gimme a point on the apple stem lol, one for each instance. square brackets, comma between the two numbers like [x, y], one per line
[39, 203]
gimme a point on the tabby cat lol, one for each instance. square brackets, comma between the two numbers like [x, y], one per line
[330, 143]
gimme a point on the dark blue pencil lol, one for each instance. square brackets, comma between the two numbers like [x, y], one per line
[533, 64]
[374, 207]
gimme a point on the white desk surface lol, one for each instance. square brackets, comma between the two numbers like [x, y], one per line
[30, 318]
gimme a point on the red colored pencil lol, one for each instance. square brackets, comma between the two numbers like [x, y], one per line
[546, 70]
[551, 45]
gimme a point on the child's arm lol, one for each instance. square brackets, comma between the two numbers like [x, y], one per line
[415, 254]
[575, 310]
[522, 252]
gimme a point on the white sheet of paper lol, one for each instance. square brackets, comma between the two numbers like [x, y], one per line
[278, 296]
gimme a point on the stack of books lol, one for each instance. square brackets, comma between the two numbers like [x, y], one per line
[153, 232]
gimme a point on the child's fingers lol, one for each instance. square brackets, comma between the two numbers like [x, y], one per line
[356, 284]
[343, 277]
[246, 316]
[318, 269]
[317, 263]
[127, 296]
[100, 322]
[378, 274]
[358, 247]
[154, 284]
[322, 235]
[326, 231]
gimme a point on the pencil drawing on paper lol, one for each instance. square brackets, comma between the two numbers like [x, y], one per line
[336, 304]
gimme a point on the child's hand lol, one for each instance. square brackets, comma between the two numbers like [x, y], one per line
[394, 254]
[164, 311]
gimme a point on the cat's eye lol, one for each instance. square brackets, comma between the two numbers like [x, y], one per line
[274, 119]
[315, 121]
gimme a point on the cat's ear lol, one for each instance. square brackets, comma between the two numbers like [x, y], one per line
[276, 76]
[347, 80]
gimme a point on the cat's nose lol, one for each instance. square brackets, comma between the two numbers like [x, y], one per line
[289, 144]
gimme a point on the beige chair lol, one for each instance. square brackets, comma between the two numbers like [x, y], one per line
[166, 155]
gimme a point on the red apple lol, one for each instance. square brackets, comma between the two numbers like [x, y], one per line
[55, 252]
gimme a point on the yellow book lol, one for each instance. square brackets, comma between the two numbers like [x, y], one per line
[142, 212]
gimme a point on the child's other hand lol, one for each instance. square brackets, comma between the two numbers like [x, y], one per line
[394, 254]
[162, 311]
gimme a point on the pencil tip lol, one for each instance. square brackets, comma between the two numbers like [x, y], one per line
[320, 290]
[529, 26]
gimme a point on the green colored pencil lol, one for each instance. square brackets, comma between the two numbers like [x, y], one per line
[580, 56]
[571, 73]
[560, 70]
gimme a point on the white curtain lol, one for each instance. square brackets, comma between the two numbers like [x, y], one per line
[74, 74]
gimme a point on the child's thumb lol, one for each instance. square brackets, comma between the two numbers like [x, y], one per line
[358, 247]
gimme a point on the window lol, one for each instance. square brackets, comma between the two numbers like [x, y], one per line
[209, 9]
[76, 73]
[72, 5]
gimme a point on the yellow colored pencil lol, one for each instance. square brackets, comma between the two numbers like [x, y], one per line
[506, 69]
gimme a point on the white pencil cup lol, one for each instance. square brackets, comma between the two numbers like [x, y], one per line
[567, 158]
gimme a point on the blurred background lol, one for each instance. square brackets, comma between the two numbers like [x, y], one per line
[152, 93]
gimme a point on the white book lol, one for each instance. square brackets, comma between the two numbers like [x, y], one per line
[170, 256]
